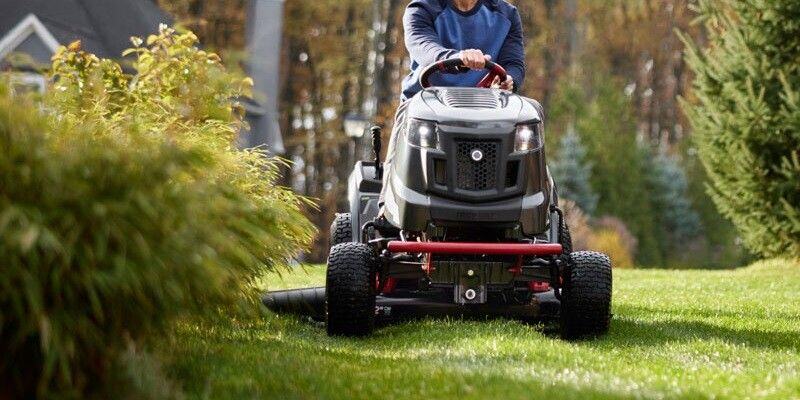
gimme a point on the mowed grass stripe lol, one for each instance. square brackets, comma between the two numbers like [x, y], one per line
[675, 334]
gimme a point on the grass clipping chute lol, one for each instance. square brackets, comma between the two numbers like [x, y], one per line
[124, 205]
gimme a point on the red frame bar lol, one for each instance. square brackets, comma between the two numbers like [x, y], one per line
[536, 249]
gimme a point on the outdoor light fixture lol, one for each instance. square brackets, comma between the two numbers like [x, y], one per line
[355, 125]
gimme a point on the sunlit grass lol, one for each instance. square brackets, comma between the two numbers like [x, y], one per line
[675, 334]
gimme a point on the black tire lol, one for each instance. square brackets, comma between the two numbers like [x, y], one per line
[350, 290]
[586, 296]
[341, 229]
[565, 238]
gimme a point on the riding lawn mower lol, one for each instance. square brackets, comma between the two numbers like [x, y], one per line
[468, 222]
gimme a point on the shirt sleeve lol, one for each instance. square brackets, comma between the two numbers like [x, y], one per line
[421, 38]
[512, 54]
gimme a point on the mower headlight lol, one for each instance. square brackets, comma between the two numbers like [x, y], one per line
[421, 133]
[528, 137]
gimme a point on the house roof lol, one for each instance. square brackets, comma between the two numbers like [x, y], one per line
[104, 27]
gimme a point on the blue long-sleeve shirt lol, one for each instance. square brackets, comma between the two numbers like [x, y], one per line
[436, 30]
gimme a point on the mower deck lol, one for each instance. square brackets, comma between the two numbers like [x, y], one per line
[310, 302]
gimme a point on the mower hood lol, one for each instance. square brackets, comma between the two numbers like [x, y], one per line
[473, 107]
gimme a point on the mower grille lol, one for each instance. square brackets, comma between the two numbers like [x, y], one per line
[475, 99]
[476, 175]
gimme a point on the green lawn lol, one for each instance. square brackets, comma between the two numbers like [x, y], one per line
[675, 334]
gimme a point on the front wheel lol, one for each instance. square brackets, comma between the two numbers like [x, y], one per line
[341, 229]
[350, 290]
[586, 296]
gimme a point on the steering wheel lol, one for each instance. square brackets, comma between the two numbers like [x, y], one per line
[456, 66]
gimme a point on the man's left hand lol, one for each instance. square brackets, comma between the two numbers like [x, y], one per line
[508, 84]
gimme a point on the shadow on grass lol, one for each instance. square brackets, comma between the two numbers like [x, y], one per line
[631, 326]
[656, 332]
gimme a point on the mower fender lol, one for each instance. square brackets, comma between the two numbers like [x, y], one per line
[363, 192]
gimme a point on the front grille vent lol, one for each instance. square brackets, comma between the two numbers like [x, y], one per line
[476, 175]
[471, 98]
[512, 170]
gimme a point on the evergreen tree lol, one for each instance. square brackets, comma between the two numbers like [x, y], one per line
[572, 172]
[678, 219]
[747, 118]
[605, 119]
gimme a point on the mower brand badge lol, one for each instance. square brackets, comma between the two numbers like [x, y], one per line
[476, 155]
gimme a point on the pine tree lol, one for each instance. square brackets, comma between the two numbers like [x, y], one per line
[679, 220]
[572, 172]
[747, 118]
[605, 119]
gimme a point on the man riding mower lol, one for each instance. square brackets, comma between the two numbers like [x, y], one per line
[470, 217]
[463, 217]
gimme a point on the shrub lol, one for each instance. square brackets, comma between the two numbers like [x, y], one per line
[578, 223]
[124, 207]
[626, 238]
[613, 245]
[746, 117]
[607, 235]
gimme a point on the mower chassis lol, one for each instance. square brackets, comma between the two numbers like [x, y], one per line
[310, 302]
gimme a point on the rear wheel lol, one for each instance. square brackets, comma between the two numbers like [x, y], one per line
[586, 296]
[350, 290]
[341, 229]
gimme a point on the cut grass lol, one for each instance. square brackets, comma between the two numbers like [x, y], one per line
[675, 334]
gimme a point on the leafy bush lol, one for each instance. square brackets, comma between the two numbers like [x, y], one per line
[124, 206]
[746, 117]
[608, 235]
[625, 237]
[578, 223]
[611, 243]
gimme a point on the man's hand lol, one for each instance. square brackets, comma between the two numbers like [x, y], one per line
[508, 84]
[474, 59]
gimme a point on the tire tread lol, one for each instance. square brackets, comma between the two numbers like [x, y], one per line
[586, 300]
[341, 229]
[350, 290]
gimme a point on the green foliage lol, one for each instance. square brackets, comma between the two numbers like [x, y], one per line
[619, 166]
[572, 172]
[746, 117]
[718, 246]
[678, 220]
[125, 205]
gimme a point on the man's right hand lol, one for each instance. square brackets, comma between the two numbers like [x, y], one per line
[474, 59]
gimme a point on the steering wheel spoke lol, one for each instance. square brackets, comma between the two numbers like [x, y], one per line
[487, 80]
